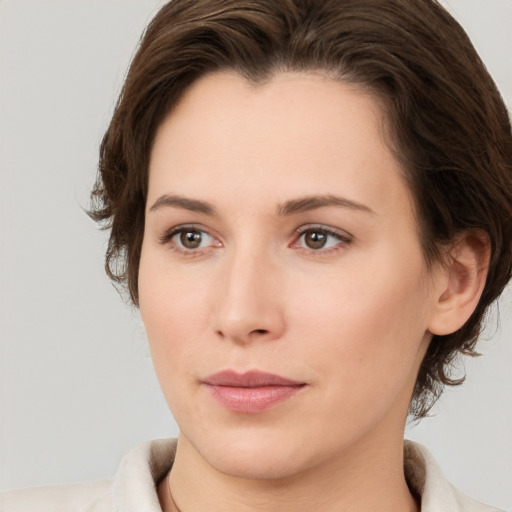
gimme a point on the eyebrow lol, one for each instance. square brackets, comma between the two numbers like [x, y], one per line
[184, 203]
[292, 207]
[308, 203]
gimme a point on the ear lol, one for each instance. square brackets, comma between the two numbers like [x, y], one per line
[460, 283]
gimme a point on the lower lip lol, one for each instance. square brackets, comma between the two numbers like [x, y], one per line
[252, 400]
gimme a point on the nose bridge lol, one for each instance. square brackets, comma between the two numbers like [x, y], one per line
[248, 301]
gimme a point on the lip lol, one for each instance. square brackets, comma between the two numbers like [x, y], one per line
[251, 392]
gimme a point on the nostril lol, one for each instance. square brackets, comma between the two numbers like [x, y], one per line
[223, 335]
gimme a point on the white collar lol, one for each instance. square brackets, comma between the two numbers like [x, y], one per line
[143, 468]
[426, 479]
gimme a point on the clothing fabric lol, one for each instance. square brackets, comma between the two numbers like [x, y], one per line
[134, 488]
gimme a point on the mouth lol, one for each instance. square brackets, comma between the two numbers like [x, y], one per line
[251, 392]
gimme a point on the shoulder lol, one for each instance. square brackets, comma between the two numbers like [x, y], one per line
[426, 479]
[132, 490]
[84, 497]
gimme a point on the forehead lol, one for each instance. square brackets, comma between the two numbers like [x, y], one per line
[294, 134]
[289, 97]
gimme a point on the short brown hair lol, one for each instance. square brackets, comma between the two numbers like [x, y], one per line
[449, 126]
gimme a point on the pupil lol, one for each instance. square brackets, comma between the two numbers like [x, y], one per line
[315, 239]
[191, 239]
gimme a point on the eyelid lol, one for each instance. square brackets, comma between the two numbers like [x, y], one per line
[169, 234]
[343, 236]
[328, 229]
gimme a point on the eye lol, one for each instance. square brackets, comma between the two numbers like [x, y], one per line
[189, 239]
[321, 238]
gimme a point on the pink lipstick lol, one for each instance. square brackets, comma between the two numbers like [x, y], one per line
[251, 392]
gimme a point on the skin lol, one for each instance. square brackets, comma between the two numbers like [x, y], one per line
[351, 320]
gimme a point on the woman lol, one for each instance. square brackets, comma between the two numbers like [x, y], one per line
[310, 202]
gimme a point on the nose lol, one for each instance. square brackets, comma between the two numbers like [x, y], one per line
[250, 305]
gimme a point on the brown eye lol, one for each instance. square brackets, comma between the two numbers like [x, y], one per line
[315, 239]
[191, 239]
[320, 239]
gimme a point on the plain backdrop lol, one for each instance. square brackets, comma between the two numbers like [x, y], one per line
[77, 389]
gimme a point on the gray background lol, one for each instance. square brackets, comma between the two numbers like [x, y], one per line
[77, 389]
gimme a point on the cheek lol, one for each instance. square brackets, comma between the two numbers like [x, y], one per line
[356, 329]
[173, 313]
[365, 325]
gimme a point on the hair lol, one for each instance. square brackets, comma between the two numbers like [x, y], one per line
[448, 124]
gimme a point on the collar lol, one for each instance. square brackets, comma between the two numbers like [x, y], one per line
[426, 480]
[145, 466]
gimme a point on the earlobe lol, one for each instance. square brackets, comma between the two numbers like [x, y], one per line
[461, 282]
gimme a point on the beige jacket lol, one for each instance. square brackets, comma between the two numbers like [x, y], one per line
[133, 489]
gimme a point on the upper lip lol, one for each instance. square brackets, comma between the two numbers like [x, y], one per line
[250, 379]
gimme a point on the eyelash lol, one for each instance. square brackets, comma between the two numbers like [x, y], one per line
[166, 239]
[343, 238]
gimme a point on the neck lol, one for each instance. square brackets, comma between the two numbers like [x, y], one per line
[370, 477]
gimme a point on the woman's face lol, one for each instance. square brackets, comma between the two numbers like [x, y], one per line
[280, 239]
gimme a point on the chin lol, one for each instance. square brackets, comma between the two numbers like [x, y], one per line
[263, 463]
[256, 457]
